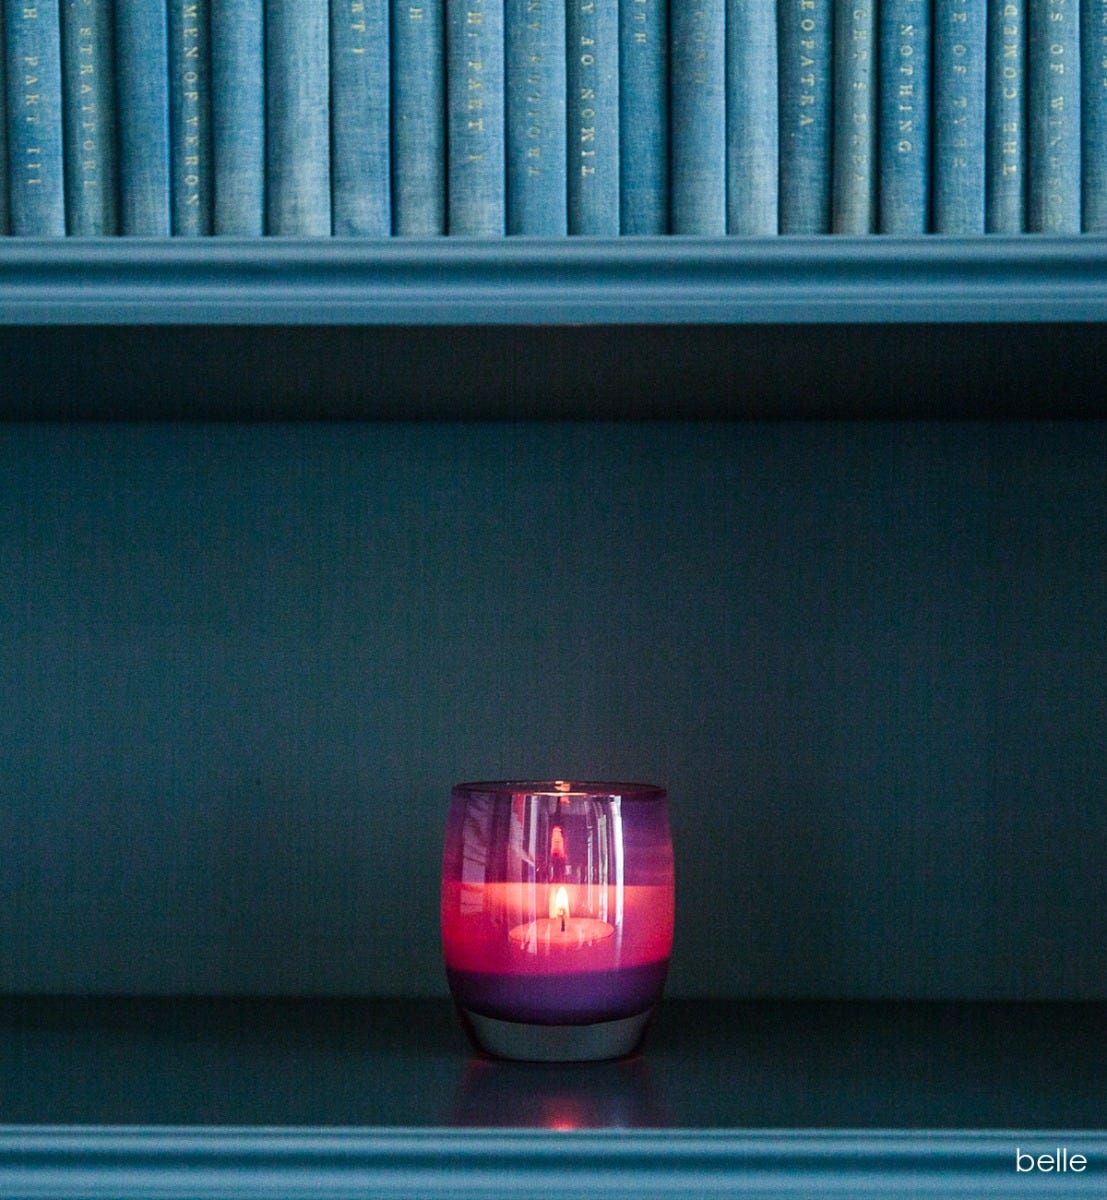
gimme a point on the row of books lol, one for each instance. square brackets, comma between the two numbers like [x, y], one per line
[372, 118]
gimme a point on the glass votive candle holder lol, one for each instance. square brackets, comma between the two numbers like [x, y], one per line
[557, 915]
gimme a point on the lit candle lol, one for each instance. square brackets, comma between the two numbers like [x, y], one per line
[557, 914]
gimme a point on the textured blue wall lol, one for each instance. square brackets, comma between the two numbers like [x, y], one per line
[240, 667]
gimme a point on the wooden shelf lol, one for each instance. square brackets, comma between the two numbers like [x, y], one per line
[627, 281]
[359, 1164]
[270, 1097]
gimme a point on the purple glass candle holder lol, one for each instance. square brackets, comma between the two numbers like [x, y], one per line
[557, 915]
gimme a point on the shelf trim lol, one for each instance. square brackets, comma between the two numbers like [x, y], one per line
[522, 281]
[92, 1163]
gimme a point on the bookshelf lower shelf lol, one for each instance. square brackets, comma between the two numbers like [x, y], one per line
[220, 1164]
[685, 328]
[131, 1097]
[531, 281]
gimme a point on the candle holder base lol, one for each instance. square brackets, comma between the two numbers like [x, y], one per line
[529, 1042]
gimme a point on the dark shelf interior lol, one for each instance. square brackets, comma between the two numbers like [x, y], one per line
[718, 1064]
[604, 372]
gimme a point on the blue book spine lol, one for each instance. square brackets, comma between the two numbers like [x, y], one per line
[5, 190]
[37, 184]
[644, 116]
[475, 103]
[88, 101]
[592, 37]
[1053, 196]
[854, 143]
[238, 116]
[190, 116]
[752, 102]
[361, 185]
[698, 132]
[1005, 118]
[960, 72]
[1093, 49]
[904, 137]
[298, 136]
[535, 70]
[418, 118]
[805, 115]
[142, 89]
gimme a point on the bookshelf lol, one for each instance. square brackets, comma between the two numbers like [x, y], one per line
[677, 327]
[378, 1098]
[158, 333]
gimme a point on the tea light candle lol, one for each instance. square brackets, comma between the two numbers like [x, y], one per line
[557, 915]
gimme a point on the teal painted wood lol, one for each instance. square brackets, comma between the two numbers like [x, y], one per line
[598, 281]
[238, 116]
[1005, 118]
[88, 95]
[190, 116]
[135, 1163]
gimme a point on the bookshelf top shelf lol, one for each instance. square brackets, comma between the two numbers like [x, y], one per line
[521, 282]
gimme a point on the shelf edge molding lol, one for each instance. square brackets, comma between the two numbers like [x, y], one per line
[93, 1163]
[521, 281]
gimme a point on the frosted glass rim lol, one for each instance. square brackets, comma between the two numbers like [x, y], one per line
[626, 791]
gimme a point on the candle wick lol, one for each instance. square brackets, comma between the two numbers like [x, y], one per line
[562, 922]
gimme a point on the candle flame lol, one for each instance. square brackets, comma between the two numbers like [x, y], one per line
[559, 905]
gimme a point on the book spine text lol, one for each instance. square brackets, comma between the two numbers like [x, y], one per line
[88, 90]
[418, 118]
[361, 186]
[644, 117]
[1005, 118]
[592, 37]
[535, 71]
[190, 116]
[477, 193]
[805, 115]
[960, 60]
[854, 143]
[904, 137]
[1053, 196]
[33, 59]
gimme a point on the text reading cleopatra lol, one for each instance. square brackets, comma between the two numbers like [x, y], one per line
[1059, 1160]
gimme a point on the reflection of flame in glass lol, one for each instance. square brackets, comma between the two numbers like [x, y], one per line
[557, 842]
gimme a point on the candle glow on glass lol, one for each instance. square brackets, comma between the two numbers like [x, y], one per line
[557, 900]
